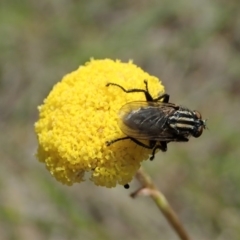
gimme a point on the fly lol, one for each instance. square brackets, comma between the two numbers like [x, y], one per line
[157, 121]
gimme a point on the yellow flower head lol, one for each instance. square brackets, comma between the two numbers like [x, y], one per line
[81, 114]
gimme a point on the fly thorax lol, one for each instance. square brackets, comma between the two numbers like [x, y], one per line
[183, 121]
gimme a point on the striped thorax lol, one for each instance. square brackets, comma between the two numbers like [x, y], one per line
[187, 122]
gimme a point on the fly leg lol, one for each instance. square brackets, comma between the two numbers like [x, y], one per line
[150, 146]
[165, 97]
[108, 143]
[162, 146]
[147, 94]
[149, 98]
[181, 139]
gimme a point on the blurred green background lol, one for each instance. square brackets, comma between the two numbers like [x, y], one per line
[192, 46]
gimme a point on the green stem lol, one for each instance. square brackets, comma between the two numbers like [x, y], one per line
[150, 189]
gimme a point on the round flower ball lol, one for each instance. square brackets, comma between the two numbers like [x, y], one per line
[80, 115]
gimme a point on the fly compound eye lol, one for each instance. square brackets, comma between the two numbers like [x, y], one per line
[198, 115]
[198, 132]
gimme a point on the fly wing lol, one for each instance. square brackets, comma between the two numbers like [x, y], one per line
[147, 120]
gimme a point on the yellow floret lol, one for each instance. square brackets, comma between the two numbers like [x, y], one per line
[81, 114]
